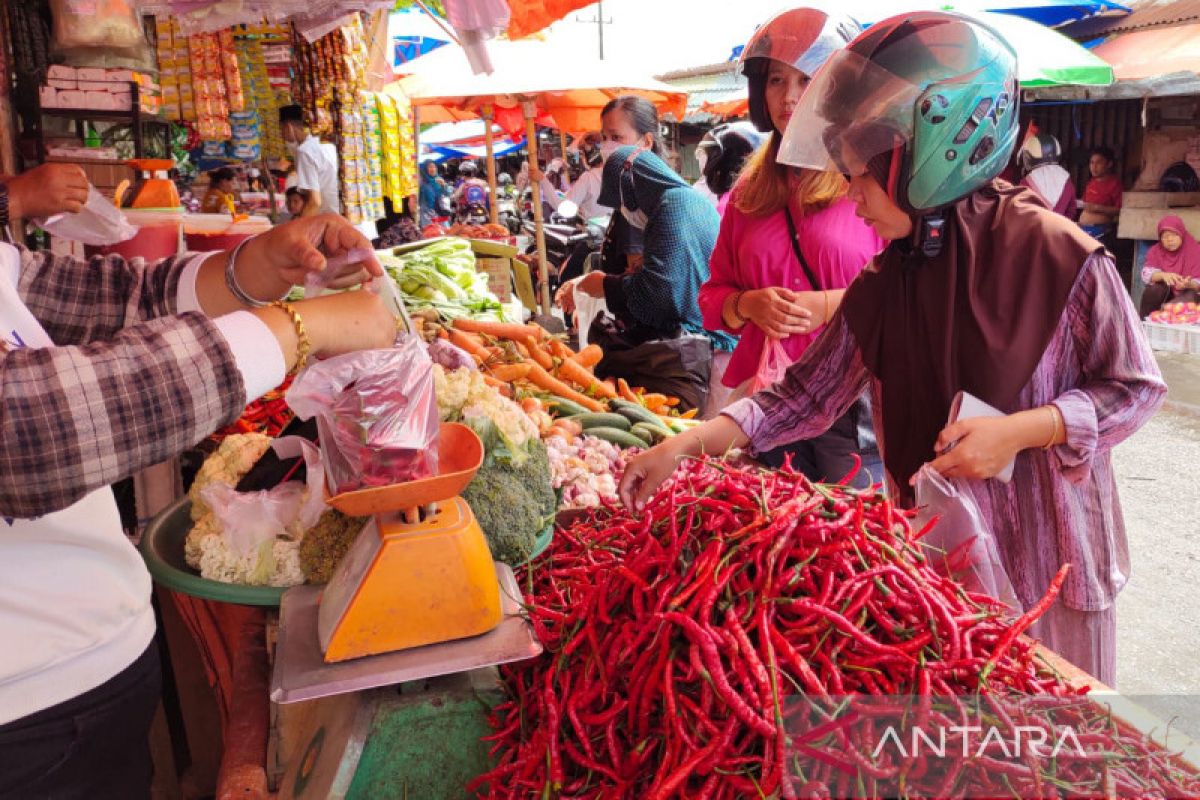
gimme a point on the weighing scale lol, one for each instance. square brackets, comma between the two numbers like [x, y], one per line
[152, 186]
[417, 605]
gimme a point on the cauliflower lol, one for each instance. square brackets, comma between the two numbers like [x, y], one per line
[463, 395]
[233, 459]
[277, 565]
[205, 548]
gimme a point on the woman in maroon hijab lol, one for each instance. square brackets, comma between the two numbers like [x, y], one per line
[1172, 269]
[982, 289]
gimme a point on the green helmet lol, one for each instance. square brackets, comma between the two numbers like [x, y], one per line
[926, 100]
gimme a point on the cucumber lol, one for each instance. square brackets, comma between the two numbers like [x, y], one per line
[651, 433]
[565, 408]
[635, 413]
[617, 436]
[596, 420]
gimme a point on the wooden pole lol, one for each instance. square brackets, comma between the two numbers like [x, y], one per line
[562, 143]
[493, 212]
[530, 109]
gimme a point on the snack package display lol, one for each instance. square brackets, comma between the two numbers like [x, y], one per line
[376, 412]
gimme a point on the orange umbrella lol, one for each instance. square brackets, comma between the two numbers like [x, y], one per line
[531, 79]
[530, 16]
[735, 104]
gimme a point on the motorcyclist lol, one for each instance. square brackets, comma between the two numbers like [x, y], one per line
[585, 191]
[471, 196]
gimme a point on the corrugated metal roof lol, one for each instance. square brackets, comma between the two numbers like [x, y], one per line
[1156, 13]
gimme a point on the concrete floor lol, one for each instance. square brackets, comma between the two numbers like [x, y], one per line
[1158, 613]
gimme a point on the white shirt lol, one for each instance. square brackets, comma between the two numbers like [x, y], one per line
[74, 593]
[317, 169]
[585, 193]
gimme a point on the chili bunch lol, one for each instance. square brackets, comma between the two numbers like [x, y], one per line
[674, 640]
[268, 414]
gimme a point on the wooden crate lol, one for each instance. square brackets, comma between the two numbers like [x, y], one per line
[499, 272]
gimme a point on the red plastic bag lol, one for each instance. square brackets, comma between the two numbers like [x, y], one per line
[960, 546]
[377, 415]
[772, 365]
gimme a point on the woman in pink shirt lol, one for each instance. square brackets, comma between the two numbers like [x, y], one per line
[790, 242]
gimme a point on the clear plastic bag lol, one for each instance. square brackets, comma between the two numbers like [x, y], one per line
[251, 522]
[587, 308]
[98, 223]
[960, 545]
[100, 33]
[376, 413]
[772, 365]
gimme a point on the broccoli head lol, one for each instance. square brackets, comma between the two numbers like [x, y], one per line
[513, 503]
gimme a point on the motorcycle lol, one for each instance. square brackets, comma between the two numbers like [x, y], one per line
[507, 214]
[569, 241]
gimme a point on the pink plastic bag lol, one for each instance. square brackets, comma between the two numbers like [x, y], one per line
[960, 546]
[772, 365]
[377, 415]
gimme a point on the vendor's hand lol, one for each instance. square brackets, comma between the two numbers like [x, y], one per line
[984, 447]
[283, 257]
[47, 190]
[777, 311]
[592, 284]
[564, 298]
[645, 473]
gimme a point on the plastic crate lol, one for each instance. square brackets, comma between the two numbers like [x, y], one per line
[1173, 338]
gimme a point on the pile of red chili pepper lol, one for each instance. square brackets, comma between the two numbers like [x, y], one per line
[268, 414]
[674, 641]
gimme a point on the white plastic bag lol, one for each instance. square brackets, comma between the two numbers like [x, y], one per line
[587, 308]
[251, 522]
[960, 545]
[98, 223]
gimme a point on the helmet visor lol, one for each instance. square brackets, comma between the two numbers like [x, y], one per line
[853, 111]
[804, 38]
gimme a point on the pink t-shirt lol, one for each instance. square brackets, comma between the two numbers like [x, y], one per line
[755, 253]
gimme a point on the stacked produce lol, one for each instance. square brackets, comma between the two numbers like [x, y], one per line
[511, 495]
[1177, 314]
[490, 231]
[679, 645]
[442, 277]
[585, 469]
[268, 415]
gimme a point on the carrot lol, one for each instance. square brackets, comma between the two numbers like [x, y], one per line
[690, 414]
[510, 372]
[560, 350]
[441, 332]
[589, 356]
[530, 404]
[500, 386]
[655, 399]
[472, 344]
[625, 392]
[672, 402]
[540, 356]
[542, 379]
[538, 333]
[500, 330]
[572, 371]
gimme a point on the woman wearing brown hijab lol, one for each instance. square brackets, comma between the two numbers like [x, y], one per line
[981, 290]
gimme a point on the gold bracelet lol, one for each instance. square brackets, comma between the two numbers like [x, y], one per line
[303, 345]
[1054, 421]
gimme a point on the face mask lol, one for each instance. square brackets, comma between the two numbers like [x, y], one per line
[607, 149]
[635, 218]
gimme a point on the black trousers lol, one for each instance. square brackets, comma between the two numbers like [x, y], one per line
[93, 746]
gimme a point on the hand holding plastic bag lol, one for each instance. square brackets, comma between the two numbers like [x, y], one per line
[960, 545]
[98, 223]
[772, 365]
[376, 413]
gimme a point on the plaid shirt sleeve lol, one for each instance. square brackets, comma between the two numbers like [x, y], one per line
[127, 392]
[78, 303]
